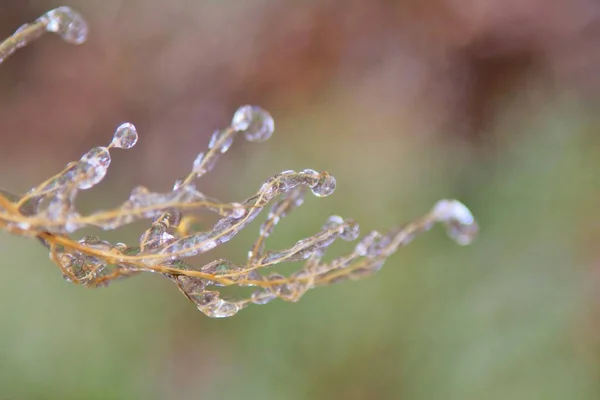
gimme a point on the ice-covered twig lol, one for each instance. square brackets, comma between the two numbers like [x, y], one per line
[48, 212]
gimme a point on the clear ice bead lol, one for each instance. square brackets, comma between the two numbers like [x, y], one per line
[459, 221]
[312, 177]
[88, 174]
[333, 222]
[217, 137]
[325, 186]
[203, 165]
[138, 196]
[98, 156]
[262, 297]
[192, 285]
[238, 211]
[213, 306]
[366, 246]
[351, 231]
[221, 309]
[125, 136]
[68, 24]
[256, 123]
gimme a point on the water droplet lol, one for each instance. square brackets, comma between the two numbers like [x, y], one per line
[351, 231]
[178, 184]
[262, 297]
[125, 136]
[138, 195]
[221, 138]
[156, 237]
[284, 289]
[88, 174]
[237, 211]
[21, 28]
[198, 162]
[312, 177]
[121, 247]
[222, 309]
[367, 246]
[213, 306]
[325, 186]
[459, 221]
[192, 285]
[202, 164]
[205, 245]
[98, 156]
[166, 238]
[67, 23]
[334, 221]
[256, 123]
[446, 210]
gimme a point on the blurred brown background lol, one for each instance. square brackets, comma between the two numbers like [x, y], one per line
[405, 102]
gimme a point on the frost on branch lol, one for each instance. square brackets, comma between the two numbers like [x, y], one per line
[47, 212]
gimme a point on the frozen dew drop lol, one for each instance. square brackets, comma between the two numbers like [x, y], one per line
[325, 186]
[446, 210]
[68, 24]
[204, 163]
[237, 211]
[120, 247]
[221, 309]
[312, 177]
[138, 193]
[459, 221]
[221, 139]
[92, 167]
[125, 136]
[192, 285]
[98, 156]
[333, 222]
[367, 246]
[256, 123]
[166, 238]
[210, 303]
[351, 231]
[178, 184]
[206, 245]
[262, 297]
[198, 163]
[21, 28]
[89, 175]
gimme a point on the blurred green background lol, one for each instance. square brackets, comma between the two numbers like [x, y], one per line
[405, 102]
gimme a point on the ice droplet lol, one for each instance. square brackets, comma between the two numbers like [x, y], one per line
[351, 231]
[92, 167]
[213, 306]
[125, 136]
[325, 186]
[218, 136]
[459, 221]
[204, 163]
[262, 297]
[98, 156]
[89, 174]
[312, 176]
[238, 211]
[333, 222]
[67, 23]
[256, 123]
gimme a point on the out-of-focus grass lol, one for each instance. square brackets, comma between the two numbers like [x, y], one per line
[508, 317]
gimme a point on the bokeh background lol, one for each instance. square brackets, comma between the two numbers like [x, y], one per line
[405, 102]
